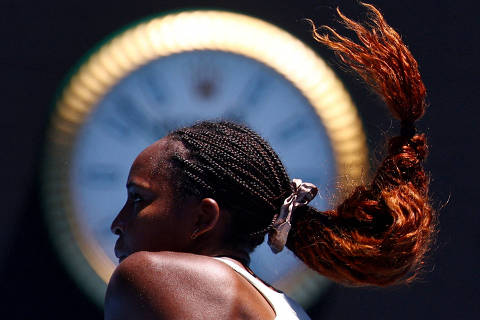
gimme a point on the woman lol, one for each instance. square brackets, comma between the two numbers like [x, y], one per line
[203, 197]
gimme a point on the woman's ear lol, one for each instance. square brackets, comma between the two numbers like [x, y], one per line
[208, 215]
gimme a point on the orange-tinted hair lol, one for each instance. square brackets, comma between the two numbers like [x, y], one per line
[381, 232]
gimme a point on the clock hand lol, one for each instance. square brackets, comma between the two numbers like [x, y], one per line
[251, 95]
[154, 88]
[256, 89]
[129, 117]
[292, 128]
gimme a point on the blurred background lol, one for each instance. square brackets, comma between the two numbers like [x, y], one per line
[42, 41]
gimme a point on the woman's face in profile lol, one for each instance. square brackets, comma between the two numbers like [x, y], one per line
[151, 219]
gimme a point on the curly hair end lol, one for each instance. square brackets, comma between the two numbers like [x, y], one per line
[380, 234]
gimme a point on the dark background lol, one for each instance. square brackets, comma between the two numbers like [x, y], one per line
[42, 40]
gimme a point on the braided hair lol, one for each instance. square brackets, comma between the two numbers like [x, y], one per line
[238, 168]
[381, 232]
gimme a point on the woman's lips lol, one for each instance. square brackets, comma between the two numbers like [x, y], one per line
[118, 252]
[120, 256]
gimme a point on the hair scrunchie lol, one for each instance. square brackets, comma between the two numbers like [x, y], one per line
[303, 193]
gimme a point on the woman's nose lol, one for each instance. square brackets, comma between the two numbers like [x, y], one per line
[117, 226]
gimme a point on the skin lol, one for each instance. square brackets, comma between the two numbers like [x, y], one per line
[166, 249]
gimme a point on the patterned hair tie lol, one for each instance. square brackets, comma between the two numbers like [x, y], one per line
[303, 193]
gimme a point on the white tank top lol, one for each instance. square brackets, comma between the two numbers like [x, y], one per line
[284, 307]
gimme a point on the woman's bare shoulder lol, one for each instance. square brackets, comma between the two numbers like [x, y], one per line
[169, 267]
[174, 285]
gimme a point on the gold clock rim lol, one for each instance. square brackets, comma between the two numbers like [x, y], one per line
[171, 34]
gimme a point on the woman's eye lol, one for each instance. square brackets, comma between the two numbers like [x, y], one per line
[136, 198]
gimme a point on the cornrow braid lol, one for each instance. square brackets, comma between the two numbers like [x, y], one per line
[245, 169]
[239, 169]
[233, 170]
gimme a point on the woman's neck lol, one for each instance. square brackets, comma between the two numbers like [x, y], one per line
[241, 256]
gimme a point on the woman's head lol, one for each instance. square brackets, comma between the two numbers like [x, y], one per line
[224, 162]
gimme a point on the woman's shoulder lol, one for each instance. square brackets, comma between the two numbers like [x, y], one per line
[165, 264]
[176, 286]
[174, 271]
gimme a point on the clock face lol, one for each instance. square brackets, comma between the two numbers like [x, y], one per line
[171, 71]
[177, 91]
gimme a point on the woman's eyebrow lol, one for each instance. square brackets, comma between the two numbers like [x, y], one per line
[137, 184]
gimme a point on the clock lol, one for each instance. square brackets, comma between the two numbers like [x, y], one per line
[172, 71]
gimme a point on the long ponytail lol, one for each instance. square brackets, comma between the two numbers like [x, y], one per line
[379, 235]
